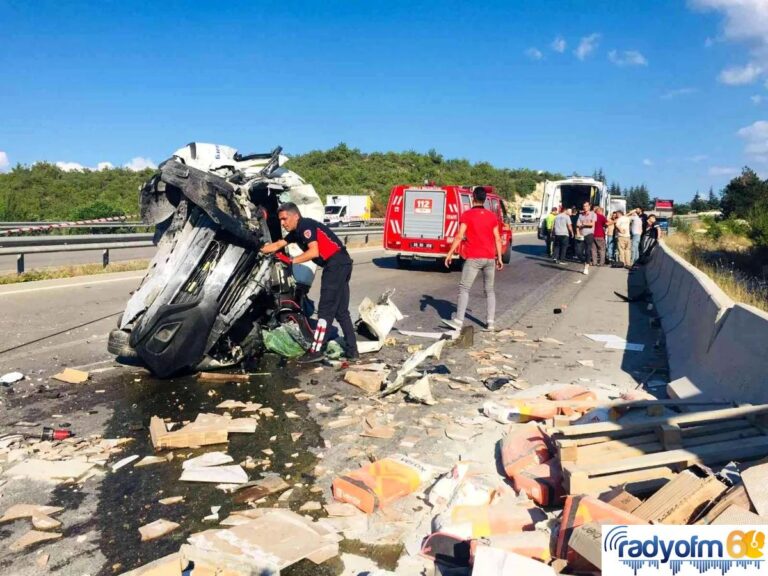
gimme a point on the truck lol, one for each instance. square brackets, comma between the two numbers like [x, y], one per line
[347, 210]
[421, 222]
[562, 194]
[664, 210]
[529, 212]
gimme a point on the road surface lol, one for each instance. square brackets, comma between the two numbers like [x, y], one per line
[65, 322]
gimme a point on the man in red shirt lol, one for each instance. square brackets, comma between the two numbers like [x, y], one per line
[480, 243]
[598, 255]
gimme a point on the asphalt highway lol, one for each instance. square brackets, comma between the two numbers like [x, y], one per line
[52, 323]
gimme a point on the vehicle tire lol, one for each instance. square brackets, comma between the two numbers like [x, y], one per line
[119, 346]
[506, 258]
[403, 263]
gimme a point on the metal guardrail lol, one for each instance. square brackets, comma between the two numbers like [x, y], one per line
[22, 246]
[95, 242]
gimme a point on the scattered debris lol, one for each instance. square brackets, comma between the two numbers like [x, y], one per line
[171, 500]
[420, 391]
[193, 434]
[373, 429]
[260, 489]
[380, 482]
[494, 384]
[71, 376]
[266, 545]
[411, 364]
[377, 319]
[11, 377]
[149, 460]
[157, 529]
[124, 462]
[222, 377]
[63, 471]
[31, 538]
[215, 474]
[369, 382]
[206, 460]
[18, 511]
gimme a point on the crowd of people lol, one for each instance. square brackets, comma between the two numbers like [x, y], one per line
[592, 238]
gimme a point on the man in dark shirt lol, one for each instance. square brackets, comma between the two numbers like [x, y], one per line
[321, 246]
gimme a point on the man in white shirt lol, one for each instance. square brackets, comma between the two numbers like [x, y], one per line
[636, 231]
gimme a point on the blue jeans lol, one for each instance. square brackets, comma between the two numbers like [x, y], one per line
[635, 247]
[610, 244]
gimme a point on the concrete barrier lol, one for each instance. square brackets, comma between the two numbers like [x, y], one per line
[738, 358]
[721, 347]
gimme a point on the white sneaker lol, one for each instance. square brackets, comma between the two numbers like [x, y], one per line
[489, 327]
[586, 269]
[452, 323]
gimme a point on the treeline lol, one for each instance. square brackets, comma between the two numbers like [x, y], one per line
[637, 196]
[45, 192]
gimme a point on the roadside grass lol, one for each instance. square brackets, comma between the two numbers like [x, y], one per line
[72, 271]
[731, 260]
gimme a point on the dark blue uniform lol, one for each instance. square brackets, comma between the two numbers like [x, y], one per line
[334, 287]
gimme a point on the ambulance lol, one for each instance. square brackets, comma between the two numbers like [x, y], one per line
[421, 222]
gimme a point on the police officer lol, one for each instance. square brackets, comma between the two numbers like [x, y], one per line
[323, 247]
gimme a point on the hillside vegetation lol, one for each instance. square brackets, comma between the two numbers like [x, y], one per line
[45, 192]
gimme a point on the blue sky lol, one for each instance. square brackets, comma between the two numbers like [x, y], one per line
[671, 94]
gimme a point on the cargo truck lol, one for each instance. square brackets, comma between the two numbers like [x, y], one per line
[346, 210]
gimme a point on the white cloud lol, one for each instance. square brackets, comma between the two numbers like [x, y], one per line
[534, 54]
[4, 162]
[559, 44]
[104, 166]
[669, 94]
[745, 21]
[647, 162]
[70, 166]
[756, 99]
[587, 45]
[755, 137]
[698, 158]
[627, 58]
[723, 171]
[740, 75]
[137, 164]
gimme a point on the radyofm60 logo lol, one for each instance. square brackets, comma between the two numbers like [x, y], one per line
[683, 550]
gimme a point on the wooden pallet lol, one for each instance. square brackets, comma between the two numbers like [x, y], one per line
[644, 455]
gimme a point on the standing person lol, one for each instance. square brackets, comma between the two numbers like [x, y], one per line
[598, 256]
[650, 238]
[623, 238]
[479, 232]
[549, 223]
[323, 247]
[585, 225]
[636, 231]
[576, 237]
[563, 231]
[610, 240]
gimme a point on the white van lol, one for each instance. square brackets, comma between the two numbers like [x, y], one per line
[573, 192]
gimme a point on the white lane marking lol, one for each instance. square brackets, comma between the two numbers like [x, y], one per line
[76, 285]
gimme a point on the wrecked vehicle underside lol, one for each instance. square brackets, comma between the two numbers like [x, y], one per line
[209, 298]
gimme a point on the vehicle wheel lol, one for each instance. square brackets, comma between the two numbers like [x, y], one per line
[119, 346]
[507, 256]
[403, 263]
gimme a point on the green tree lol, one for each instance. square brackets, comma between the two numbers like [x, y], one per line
[742, 194]
[697, 204]
[713, 202]
[638, 196]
